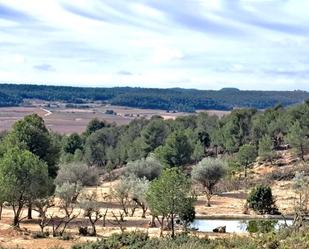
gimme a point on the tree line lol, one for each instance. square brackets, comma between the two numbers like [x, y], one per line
[243, 134]
[174, 99]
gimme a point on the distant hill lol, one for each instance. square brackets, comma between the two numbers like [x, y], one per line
[177, 99]
[229, 89]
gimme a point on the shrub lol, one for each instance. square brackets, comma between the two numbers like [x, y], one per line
[40, 235]
[261, 200]
[133, 240]
[66, 236]
[138, 240]
[281, 174]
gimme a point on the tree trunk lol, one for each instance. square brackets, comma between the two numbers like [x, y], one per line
[29, 211]
[17, 213]
[153, 222]
[16, 218]
[104, 218]
[1, 207]
[143, 214]
[16, 222]
[161, 225]
[173, 226]
[302, 152]
[94, 231]
[208, 195]
[245, 171]
[208, 200]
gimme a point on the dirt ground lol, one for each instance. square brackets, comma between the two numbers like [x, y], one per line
[226, 205]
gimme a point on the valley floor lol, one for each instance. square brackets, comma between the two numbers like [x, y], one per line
[226, 205]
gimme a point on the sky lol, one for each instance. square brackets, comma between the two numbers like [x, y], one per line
[203, 44]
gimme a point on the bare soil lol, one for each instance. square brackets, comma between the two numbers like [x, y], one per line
[226, 205]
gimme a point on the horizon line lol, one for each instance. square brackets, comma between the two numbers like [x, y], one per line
[115, 86]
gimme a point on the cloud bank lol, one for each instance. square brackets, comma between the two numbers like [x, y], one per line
[205, 44]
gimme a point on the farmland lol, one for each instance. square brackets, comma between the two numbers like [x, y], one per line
[66, 120]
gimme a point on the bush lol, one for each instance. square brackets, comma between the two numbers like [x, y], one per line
[138, 240]
[133, 240]
[261, 200]
[66, 236]
[281, 174]
[40, 235]
[83, 231]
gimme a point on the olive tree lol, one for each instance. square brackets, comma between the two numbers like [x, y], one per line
[67, 194]
[121, 193]
[42, 205]
[149, 168]
[139, 188]
[208, 172]
[300, 185]
[91, 207]
[23, 179]
[76, 172]
[130, 192]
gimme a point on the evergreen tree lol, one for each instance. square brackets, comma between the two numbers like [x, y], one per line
[168, 196]
[246, 155]
[298, 138]
[177, 150]
[23, 178]
[266, 149]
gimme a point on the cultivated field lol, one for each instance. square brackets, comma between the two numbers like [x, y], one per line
[65, 120]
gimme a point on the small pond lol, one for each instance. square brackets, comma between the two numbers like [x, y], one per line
[239, 226]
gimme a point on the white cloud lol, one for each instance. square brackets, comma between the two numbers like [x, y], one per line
[164, 54]
[250, 44]
[13, 59]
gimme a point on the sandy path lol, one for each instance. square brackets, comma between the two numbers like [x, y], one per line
[47, 112]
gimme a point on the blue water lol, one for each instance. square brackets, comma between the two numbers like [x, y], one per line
[234, 226]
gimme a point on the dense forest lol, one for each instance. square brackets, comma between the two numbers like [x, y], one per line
[174, 99]
[9, 100]
[189, 139]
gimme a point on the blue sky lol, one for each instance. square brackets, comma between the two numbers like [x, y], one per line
[204, 44]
